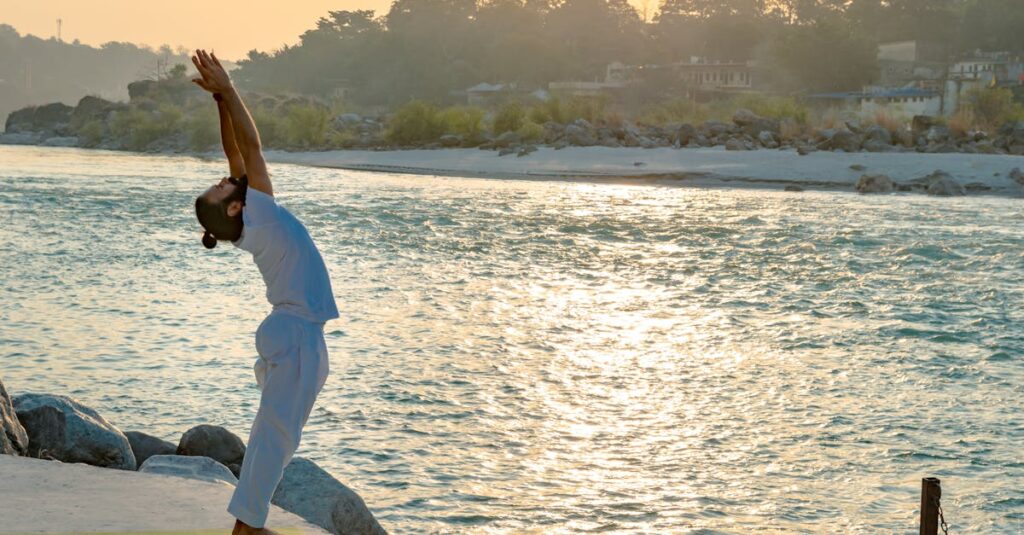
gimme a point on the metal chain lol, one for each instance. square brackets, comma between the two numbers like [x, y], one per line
[942, 518]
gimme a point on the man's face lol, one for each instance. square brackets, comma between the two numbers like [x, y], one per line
[219, 191]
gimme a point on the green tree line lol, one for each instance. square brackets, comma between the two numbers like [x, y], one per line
[426, 49]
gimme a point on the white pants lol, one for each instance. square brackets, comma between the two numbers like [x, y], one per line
[290, 371]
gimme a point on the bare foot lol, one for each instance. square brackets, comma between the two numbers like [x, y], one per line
[241, 528]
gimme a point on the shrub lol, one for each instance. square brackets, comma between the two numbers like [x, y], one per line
[531, 132]
[305, 125]
[466, 121]
[590, 109]
[271, 127]
[415, 122]
[138, 129]
[993, 106]
[678, 110]
[203, 130]
[510, 118]
[91, 133]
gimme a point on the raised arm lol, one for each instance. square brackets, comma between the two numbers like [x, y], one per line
[227, 139]
[215, 79]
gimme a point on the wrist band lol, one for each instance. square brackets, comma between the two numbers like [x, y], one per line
[218, 97]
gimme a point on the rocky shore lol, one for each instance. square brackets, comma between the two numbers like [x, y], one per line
[155, 106]
[60, 429]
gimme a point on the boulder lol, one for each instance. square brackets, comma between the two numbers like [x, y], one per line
[13, 438]
[450, 140]
[793, 188]
[879, 134]
[215, 442]
[713, 128]
[943, 184]
[506, 139]
[846, 141]
[875, 184]
[921, 124]
[90, 109]
[192, 467]
[752, 124]
[141, 89]
[580, 133]
[686, 133]
[310, 492]
[60, 141]
[1017, 175]
[767, 140]
[735, 144]
[62, 428]
[50, 118]
[872, 145]
[938, 134]
[145, 446]
[525, 150]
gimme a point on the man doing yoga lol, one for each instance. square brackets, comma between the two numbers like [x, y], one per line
[293, 364]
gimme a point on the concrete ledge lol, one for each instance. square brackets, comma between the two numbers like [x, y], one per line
[38, 496]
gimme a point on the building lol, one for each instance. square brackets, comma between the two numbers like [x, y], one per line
[905, 62]
[617, 76]
[713, 75]
[907, 101]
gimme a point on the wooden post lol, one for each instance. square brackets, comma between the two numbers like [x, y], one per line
[931, 492]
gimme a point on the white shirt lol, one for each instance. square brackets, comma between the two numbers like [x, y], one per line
[292, 268]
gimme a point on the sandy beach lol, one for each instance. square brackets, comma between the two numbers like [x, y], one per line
[694, 167]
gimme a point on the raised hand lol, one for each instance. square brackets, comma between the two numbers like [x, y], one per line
[213, 76]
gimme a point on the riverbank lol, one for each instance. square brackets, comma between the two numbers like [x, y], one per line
[38, 496]
[977, 173]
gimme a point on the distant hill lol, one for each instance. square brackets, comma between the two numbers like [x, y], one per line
[39, 71]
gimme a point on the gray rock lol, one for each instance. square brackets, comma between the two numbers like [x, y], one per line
[1017, 175]
[767, 140]
[450, 140]
[215, 442]
[686, 133]
[64, 429]
[506, 139]
[50, 118]
[875, 184]
[845, 140]
[145, 446]
[580, 133]
[735, 144]
[192, 467]
[857, 167]
[13, 438]
[793, 187]
[943, 184]
[872, 145]
[938, 134]
[20, 138]
[310, 492]
[526, 150]
[879, 134]
[60, 141]
[744, 117]
[921, 124]
[715, 128]
[506, 152]
[804, 150]
[977, 187]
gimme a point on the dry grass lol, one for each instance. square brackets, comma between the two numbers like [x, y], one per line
[791, 129]
[962, 121]
[892, 121]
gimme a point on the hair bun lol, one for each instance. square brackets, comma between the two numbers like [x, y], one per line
[208, 240]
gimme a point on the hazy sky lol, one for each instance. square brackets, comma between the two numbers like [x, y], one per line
[231, 27]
